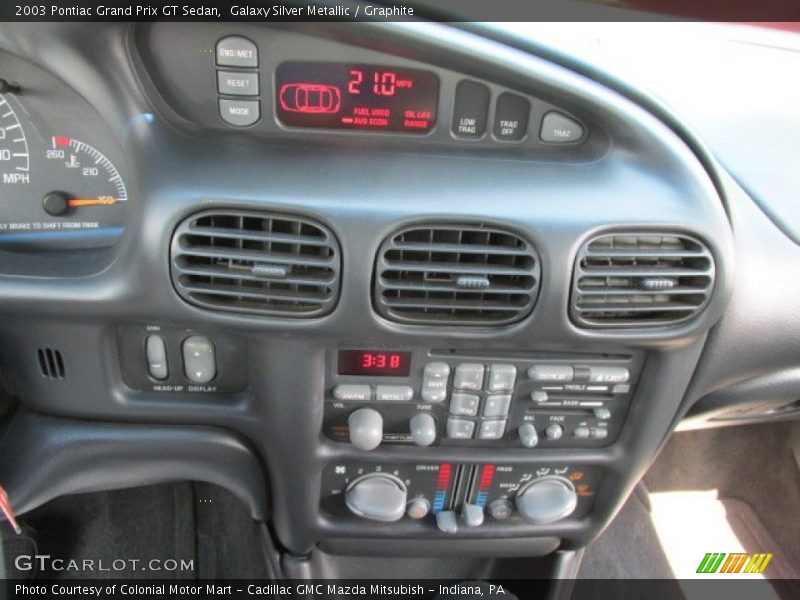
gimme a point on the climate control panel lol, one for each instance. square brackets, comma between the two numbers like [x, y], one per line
[431, 398]
[458, 497]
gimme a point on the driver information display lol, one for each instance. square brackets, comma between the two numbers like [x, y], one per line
[355, 96]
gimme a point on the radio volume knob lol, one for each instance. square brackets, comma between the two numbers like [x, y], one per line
[366, 428]
[423, 429]
[546, 500]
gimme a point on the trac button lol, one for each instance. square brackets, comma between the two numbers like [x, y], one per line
[469, 376]
[502, 378]
[560, 129]
[511, 117]
[236, 51]
[471, 109]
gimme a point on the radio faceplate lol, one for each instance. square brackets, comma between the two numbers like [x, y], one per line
[542, 400]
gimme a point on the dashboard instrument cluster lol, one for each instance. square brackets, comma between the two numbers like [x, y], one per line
[60, 169]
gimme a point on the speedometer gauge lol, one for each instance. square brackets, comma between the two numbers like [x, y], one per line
[15, 159]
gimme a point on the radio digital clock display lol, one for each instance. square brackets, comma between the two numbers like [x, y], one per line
[356, 97]
[374, 362]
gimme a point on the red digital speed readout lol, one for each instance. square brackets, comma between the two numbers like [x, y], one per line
[353, 96]
[374, 362]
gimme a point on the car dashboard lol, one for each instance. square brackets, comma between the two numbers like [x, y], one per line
[406, 289]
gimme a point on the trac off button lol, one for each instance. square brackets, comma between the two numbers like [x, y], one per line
[511, 117]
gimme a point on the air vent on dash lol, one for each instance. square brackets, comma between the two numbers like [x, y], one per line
[456, 275]
[256, 262]
[640, 280]
[51, 364]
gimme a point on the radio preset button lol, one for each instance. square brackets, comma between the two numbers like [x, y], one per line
[465, 405]
[502, 378]
[352, 393]
[394, 393]
[469, 376]
[460, 429]
[492, 430]
[550, 373]
[497, 405]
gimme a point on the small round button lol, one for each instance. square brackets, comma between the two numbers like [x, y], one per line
[554, 431]
[55, 203]
[500, 509]
[418, 508]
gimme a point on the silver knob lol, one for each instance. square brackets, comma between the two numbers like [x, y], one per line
[377, 496]
[546, 500]
[554, 431]
[366, 428]
[423, 429]
[418, 508]
[527, 435]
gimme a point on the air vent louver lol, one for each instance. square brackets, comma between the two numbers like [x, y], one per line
[640, 280]
[256, 262]
[51, 364]
[456, 275]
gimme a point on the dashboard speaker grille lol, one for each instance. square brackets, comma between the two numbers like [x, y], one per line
[256, 262]
[640, 280]
[456, 275]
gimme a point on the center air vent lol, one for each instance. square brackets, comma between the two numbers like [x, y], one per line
[456, 275]
[640, 280]
[256, 262]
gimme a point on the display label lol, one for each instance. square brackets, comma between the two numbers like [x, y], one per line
[357, 97]
[374, 362]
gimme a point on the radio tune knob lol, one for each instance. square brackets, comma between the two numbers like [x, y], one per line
[377, 496]
[366, 428]
[423, 429]
[546, 500]
[554, 431]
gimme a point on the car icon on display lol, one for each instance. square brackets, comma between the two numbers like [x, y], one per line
[310, 98]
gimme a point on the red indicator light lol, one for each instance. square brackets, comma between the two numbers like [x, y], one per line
[62, 141]
[310, 98]
[487, 474]
[444, 476]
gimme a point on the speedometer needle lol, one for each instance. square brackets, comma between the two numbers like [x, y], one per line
[101, 201]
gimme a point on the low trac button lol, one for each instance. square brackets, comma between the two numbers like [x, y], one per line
[471, 109]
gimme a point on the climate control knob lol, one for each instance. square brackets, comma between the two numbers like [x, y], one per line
[546, 500]
[377, 496]
[366, 428]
